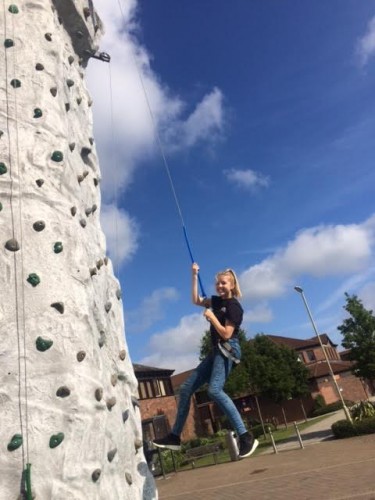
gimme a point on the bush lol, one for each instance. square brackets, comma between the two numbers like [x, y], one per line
[319, 402]
[362, 410]
[337, 405]
[344, 429]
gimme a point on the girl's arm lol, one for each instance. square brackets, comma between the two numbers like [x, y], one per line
[226, 331]
[196, 299]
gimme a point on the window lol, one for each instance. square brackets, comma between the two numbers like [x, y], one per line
[154, 388]
[310, 355]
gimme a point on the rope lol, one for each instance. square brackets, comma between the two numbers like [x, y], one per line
[21, 329]
[166, 166]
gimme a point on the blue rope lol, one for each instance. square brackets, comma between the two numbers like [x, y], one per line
[192, 260]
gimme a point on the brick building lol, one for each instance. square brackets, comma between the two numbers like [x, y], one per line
[158, 392]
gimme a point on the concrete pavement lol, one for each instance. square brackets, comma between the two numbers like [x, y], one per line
[324, 470]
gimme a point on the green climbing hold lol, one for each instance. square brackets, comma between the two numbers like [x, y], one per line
[8, 42]
[15, 442]
[38, 113]
[57, 156]
[43, 344]
[3, 168]
[16, 84]
[33, 279]
[56, 439]
[70, 83]
[13, 9]
[58, 247]
[1, 207]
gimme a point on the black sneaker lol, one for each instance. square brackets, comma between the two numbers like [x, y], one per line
[247, 445]
[170, 442]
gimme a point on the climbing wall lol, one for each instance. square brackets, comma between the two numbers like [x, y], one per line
[68, 402]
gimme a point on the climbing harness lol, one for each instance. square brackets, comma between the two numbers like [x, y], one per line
[227, 351]
[102, 56]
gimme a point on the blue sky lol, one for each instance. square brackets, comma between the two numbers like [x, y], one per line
[266, 115]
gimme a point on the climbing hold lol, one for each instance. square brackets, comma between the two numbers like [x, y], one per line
[122, 355]
[16, 84]
[94, 208]
[67, 106]
[1, 134]
[111, 454]
[93, 271]
[90, 102]
[125, 415]
[128, 478]
[106, 260]
[114, 379]
[53, 91]
[56, 439]
[81, 355]
[122, 376]
[111, 403]
[86, 12]
[48, 37]
[98, 394]
[8, 43]
[85, 174]
[85, 151]
[39, 225]
[80, 178]
[39, 67]
[33, 279]
[118, 293]
[12, 245]
[1, 207]
[57, 156]
[73, 211]
[79, 100]
[96, 475]
[38, 113]
[3, 168]
[135, 402]
[99, 263]
[108, 306]
[72, 145]
[88, 211]
[69, 82]
[91, 140]
[83, 222]
[63, 392]
[43, 344]
[39, 182]
[101, 340]
[70, 59]
[138, 443]
[59, 306]
[13, 9]
[58, 247]
[96, 181]
[15, 442]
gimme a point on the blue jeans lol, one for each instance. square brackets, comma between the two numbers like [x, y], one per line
[214, 370]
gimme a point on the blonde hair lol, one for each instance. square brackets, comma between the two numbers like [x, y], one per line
[236, 286]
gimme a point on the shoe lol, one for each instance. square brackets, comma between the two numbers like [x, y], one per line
[247, 445]
[169, 442]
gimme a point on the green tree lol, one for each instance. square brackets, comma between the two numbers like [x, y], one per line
[359, 336]
[275, 371]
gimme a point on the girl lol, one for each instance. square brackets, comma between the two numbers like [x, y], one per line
[224, 313]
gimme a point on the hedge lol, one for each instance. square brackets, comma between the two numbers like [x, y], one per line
[344, 429]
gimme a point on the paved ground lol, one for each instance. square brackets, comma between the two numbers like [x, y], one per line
[325, 470]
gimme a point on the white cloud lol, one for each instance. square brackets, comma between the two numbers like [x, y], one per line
[367, 295]
[127, 137]
[260, 313]
[247, 179]
[177, 348]
[319, 251]
[366, 44]
[122, 233]
[151, 309]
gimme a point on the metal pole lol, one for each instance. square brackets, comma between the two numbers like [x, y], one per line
[298, 435]
[272, 440]
[346, 411]
[261, 419]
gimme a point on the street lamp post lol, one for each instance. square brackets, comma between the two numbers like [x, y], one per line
[346, 411]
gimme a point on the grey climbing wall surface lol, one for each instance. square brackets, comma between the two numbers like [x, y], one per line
[66, 379]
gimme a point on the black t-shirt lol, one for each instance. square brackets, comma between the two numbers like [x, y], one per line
[225, 309]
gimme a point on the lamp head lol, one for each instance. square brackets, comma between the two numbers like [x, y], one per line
[298, 289]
